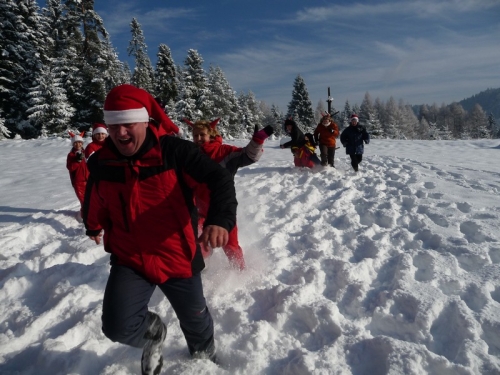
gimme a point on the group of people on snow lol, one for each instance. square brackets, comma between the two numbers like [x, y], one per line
[159, 204]
[303, 146]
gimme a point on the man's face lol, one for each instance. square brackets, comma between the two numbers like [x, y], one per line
[200, 136]
[354, 122]
[128, 138]
[289, 129]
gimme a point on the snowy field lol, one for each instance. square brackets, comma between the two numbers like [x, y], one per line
[394, 270]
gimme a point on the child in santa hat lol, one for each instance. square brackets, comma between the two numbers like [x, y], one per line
[77, 167]
[232, 158]
[99, 134]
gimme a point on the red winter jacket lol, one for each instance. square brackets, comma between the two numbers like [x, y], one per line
[326, 135]
[78, 172]
[93, 147]
[146, 207]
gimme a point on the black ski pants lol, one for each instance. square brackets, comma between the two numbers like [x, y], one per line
[327, 155]
[125, 309]
[355, 160]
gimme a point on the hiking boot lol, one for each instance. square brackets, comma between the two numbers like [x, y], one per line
[152, 354]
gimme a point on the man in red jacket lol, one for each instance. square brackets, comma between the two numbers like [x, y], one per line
[140, 193]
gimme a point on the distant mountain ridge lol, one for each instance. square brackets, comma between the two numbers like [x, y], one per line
[489, 100]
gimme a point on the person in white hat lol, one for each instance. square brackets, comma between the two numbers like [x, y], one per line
[99, 135]
[141, 195]
[75, 163]
[353, 139]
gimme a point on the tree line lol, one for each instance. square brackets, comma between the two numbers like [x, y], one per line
[57, 63]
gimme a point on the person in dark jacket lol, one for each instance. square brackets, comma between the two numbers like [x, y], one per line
[140, 194]
[296, 142]
[353, 139]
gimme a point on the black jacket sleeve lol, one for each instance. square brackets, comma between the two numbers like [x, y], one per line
[189, 159]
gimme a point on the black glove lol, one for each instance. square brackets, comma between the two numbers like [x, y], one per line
[269, 130]
[79, 156]
[331, 130]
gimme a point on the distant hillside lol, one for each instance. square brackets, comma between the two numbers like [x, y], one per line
[489, 100]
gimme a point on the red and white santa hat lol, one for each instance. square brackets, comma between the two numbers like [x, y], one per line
[76, 138]
[99, 128]
[354, 117]
[127, 104]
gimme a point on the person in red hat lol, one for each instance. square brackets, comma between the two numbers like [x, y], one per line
[140, 193]
[353, 139]
[207, 137]
[77, 167]
[99, 134]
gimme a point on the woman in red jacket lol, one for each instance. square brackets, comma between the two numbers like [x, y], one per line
[232, 158]
[99, 134]
[77, 167]
[325, 135]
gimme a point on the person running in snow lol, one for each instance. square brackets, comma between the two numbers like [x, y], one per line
[307, 153]
[296, 142]
[140, 193]
[232, 158]
[99, 134]
[77, 167]
[353, 139]
[325, 134]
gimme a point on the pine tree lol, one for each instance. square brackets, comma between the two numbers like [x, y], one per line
[250, 111]
[143, 75]
[49, 107]
[478, 123]
[192, 90]
[166, 89]
[224, 102]
[492, 126]
[345, 118]
[21, 60]
[4, 132]
[300, 107]
[279, 120]
[368, 117]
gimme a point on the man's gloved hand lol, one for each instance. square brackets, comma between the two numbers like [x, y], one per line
[261, 135]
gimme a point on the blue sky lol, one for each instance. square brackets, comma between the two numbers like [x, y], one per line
[421, 51]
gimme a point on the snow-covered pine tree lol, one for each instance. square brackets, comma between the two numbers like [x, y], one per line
[143, 75]
[300, 106]
[279, 120]
[193, 84]
[91, 62]
[166, 84]
[224, 101]
[492, 126]
[4, 132]
[49, 109]
[250, 111]
[345, 118]
[21, 59]
[478, 123]
[368, 117]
